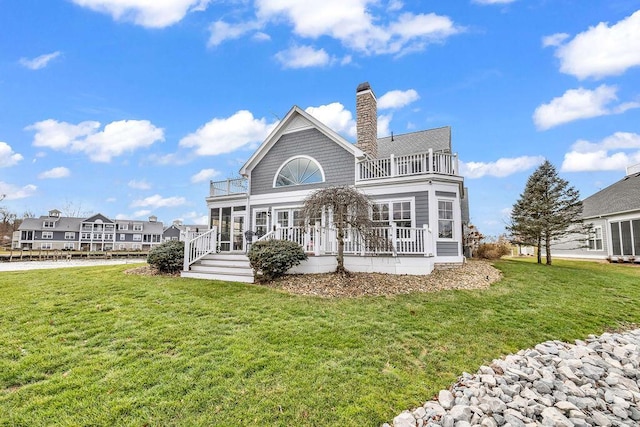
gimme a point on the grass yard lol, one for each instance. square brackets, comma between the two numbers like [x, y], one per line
[93, 346]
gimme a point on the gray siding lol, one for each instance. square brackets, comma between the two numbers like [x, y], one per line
[447, 248]
[338, 164]
[570, 247]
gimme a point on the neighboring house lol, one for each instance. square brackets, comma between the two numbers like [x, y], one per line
[413, 180]
[95, 233]
[180, 231]
[614, 213]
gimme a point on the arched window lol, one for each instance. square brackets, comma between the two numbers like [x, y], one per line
[298, 171]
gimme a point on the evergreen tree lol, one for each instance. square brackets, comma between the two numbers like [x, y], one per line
[548, 210]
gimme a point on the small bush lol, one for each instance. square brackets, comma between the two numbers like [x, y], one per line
[167, 257]
[492, 250]
[271, 259]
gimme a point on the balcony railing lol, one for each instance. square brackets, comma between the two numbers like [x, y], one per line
[414, 164]
[229, 187]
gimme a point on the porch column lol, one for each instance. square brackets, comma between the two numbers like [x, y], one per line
[427, 240]
[316, 239]
[394, 238]
[393, 165]
[430, 160]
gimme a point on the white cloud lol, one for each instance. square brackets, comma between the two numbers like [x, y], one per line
[554, 39]
[500, 168]
[147, 13]
[336, 117]
[576, 104]
[114, 140]
[157, 201]
[224, 135]
[55, 173]
[221, 31]
[384, 123]
[139, 185]
[602, 50]
[587, 156]
[13, 192]
[40, 61]
[204, 175]
[397, 99]
[303, 57]
[141, 213]
[7, 156]
[493, 1]
[354, 23]
[194, 218]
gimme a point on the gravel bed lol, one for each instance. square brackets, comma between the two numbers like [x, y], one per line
[590, 383]
[470, 275]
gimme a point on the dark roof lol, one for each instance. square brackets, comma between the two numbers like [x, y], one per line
[438, 139]
[622, 196]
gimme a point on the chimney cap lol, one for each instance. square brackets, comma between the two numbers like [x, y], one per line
[363, 86]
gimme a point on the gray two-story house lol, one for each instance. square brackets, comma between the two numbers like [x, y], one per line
[95, 233]
[413, 180]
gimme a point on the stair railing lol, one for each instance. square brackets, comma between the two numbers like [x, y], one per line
[198, 247]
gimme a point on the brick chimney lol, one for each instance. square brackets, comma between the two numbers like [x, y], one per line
[367, 120]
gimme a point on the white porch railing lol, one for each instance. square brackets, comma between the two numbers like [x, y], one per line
[415, 164]
[392, 240]
[197, 245]
[228, 187]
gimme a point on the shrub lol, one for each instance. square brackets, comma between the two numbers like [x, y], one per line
[271, 259]
[167, 257]
[493, 250]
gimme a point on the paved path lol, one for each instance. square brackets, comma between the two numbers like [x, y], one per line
[38, 265]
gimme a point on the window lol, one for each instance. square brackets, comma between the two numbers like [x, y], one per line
[298, 171]
[69, 245]
[69, 235]
[47, 234]
[86, 236]
[97, 236]
[387, 213]
[108, 236]
[46, 245]
[137, 237]
[262, 223]
[122, 236]
[445, 219]
[402, 213]
[48, 224]
[380, 215]
[137, 227]
[624, 238]
[123, 226]
[136, 246]
[595, 239]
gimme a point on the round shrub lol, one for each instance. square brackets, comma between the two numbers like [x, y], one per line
[493, 251]
[167, 257]
[271, 259]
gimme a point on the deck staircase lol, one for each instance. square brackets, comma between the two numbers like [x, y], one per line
[221, 266]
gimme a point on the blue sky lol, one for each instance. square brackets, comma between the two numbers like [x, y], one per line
[130, 107]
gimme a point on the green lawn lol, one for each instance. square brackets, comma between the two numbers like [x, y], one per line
[93, 346]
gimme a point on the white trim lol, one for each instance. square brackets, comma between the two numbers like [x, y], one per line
[49, 235]
[286, 162]
[454, 235]
[594, 234]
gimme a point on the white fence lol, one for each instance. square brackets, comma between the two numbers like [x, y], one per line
[390, 240]
[197, 245]
[414, 164]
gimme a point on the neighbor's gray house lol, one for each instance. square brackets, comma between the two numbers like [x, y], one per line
[95, 233]
[179, 231]
[413, 179]
[614, 213]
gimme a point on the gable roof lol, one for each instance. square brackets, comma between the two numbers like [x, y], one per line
[622, 196]
[292, 122]
[100, 217]
[438, 139]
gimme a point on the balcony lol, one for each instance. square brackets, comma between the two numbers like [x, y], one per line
[229, 187]
[411, 165]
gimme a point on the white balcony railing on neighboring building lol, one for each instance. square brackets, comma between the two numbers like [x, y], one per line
[415, 164]
[229, 187]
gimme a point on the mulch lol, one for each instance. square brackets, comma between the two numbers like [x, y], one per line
[470, 275]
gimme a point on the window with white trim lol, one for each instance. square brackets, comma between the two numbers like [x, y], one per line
[48, 224]
[399, 213]
[137, 237]
[261, 223]
[47, 234]
[69, 235]
[122, 226]
[46, 245]
[137, 227]
[86, 236]
[299, 171]
[136, 246]
[69, 245]
[122, 236]
[445, 219]
[595, 239]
